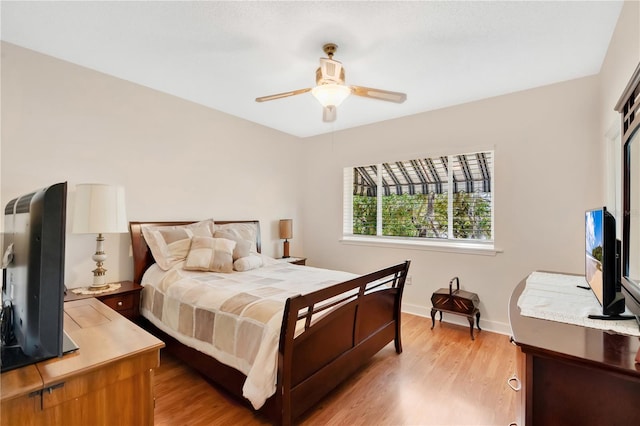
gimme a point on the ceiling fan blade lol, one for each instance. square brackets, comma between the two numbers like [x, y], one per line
[329, 114]
[383, 95]
[282, 95]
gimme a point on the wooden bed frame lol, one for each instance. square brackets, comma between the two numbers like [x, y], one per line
[313, 362]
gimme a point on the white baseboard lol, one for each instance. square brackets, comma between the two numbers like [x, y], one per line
[493, 326]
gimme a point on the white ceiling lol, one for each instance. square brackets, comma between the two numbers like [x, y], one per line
[225, 54]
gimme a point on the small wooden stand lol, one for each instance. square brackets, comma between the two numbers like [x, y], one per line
[458, 302]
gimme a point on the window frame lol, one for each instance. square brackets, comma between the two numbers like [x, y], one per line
[449, 244]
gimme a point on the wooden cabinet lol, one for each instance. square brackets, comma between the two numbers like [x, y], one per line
[296, 260]
[124, 300]
[574, 375]
[516, 382]
[107, 381]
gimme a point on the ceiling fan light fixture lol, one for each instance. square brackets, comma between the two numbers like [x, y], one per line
[331, 91]
[331, 94]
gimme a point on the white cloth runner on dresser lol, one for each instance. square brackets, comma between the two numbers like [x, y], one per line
[557, 297]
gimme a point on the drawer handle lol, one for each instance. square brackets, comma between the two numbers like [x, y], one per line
[119, 303]
[514, 383]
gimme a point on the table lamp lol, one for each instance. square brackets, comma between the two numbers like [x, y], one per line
[99, 209]
[286, 232]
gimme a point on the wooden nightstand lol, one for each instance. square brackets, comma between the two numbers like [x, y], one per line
[125, 300]
[296, 260]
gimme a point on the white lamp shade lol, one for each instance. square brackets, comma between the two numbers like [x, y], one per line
[331, 94]
[99, 209]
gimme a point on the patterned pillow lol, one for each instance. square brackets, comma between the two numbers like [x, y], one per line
[243, 247]
[170, 244]
[244, 231]
[210, 254]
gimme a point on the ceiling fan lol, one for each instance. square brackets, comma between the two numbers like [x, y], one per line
[330, 89]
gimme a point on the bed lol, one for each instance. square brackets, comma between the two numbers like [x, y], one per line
[328, 325]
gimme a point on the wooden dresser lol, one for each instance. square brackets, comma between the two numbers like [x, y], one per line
[573, 375]
[108, 381]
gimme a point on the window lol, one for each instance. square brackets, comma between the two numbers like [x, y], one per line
[439, 199]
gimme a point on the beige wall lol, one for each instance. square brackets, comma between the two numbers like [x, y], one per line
[549, 167]
[546, 152]
[620, 62]
[177, 160]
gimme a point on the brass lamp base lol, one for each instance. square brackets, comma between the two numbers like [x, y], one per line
[99, 274]
[99, 279]
[94, 287]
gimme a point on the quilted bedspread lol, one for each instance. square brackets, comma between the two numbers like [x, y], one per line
[234, 317]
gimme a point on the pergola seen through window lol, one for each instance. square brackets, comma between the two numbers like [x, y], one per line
[446, 197]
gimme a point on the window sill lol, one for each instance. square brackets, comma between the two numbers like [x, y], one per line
[483, 249]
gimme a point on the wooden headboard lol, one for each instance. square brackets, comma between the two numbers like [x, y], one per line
[142, 258]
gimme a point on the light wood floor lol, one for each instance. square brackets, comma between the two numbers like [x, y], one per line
[441, 378]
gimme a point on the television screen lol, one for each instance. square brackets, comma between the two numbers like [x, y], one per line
[33, 278]
[602, 262]
[594, 251]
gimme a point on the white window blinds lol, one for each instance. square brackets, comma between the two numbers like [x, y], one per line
[446, 197]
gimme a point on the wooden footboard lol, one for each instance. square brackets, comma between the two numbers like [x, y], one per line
[325, 336]
[331, 346]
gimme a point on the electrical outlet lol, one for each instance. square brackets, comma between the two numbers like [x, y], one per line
[408, 281]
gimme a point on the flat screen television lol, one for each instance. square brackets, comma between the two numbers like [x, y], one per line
[602, 262]
[33, 277]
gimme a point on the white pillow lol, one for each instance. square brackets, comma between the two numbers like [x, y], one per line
[170, 244]
[243, 247]
[247, 263]
[244, 231]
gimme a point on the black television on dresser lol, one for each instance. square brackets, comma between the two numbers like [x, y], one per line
[602, 262]
[33, 277]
